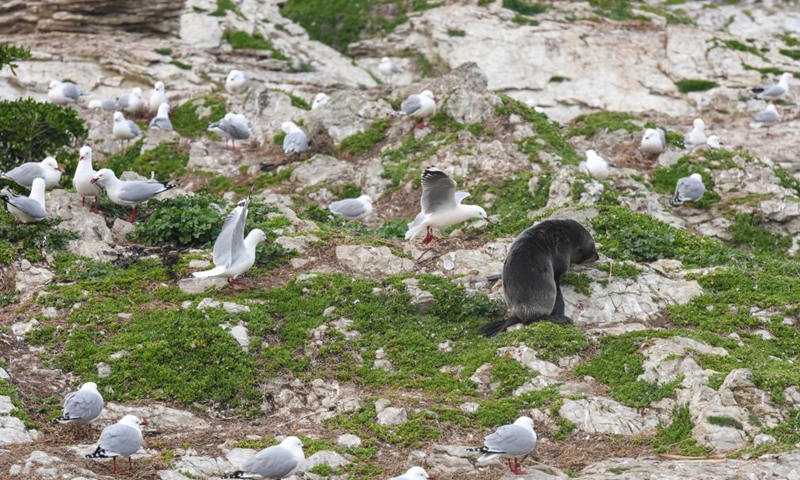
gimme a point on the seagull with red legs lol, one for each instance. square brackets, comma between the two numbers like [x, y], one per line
[420, 106]
[441, 206]
[122, 439]
[129, 193]
[512, 442]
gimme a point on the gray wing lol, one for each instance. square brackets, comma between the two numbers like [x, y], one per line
[511, 439]
[123, 101]
[25, 174]
[582, 167]
[411, 105]
[394, 68]
[767, 116]
[438, 191]
[108, 104]
[27, 205]
[272, 462]
[134, 128]
[160, 124]
[772, 91]
[295, 142]
[688, 190]
[350, 208]
[237, 127]
[71, 90]
[230, 242]
[662, 136]
[121, 440]
[138, 191]
[83, 405]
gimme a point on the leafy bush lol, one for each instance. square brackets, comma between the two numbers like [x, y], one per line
[31, 241]
[189, 220]
[31, 130]
[186, 121]
[10, 53]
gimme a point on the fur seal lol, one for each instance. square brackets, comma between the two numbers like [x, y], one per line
[533, 268]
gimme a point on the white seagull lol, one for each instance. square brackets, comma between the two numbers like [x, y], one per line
[25, 209]
[121, 439]
[82, 181]
[654, 142]
[352, 208]
[714, 142]
[388, 68]
[124, 130]
[129, 193]
[295, 140]
[233, 253]
[83, 406]
[161, 121]
[63, 93]
[157, 97]
[232, 127]
[420, 106]
[688, 189]
[235, 81]
[441, 205]
[133, 102]
[767, 117]
[697, 136]
[320, 100]
[414, 473]
[774, 91]
[513, 441]
[105, 104]
[25, 174]
[277, 461]
[595, 165]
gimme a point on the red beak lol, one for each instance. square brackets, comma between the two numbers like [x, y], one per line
[144, 423]
[487, 220]
[60, 169]
[93, 181]
[305, 447]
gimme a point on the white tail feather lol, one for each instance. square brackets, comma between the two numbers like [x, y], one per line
[214, 272]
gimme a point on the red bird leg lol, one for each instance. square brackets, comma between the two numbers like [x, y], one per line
[130, 464]
[96, 208]
[132, 218]
[83, 201]
[114, 467]
[428, 237]
[516, 469]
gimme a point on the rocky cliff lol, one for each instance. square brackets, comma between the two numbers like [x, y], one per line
[681, 361]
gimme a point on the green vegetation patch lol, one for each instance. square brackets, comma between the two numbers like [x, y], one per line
[225, 6]
[747, 231]
[513, 201]
[687, 86]
[187, 122]
[188, 220]
[793, 54]
[619, 10]
[10, 54]
[580, 282]
[362, 142]
[166, 161]
[524, 7]
[676, 438]
[723, 421]
[240, 40]
[590, 124]
[547, 138]
[31, 241]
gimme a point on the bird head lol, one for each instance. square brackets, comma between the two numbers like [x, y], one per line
[525, 422]
[385, 60]
[54, 83]
[133, 421]
[51, 162]
[288, 127]
[649, 133]
[159, 86]
[697, 177]
[119, 117]
[85, 153]
[428, 94]
[293, 443]
[89, 386]
[698, 123]
[102, 176]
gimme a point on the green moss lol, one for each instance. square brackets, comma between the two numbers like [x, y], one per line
[336, 23]
[225, 6]
[547, 136]
[512, 200]
[747, 231]
[676, 438]
[664, 180]
[187, 122]
[164, 51]
[788, 432]
[789, 40]
[509, 374]
[493, 413]
[722, 421]
[559, 79]
[580, 282]
[740, 47]
[362, 142]
[181, 65]
[165, 161]
[673, 17]
[240, 40]
[687, 86]
[31, 241]
[525, 8]
[563, 429]
[787, 180]
[619, 10]
[793, 54]
[621, 270]
[423, 64]
[590, 124]
[456, 33]
[297, 102]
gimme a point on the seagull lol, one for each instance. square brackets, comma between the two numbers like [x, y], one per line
[235, 81]
[63, 93]
[654, 142]
[161, 121]
[774, 91]
[714, 142]
[122, 439]
[388, 69]
[105, 104]
[25, 209]
[295, 140]
[124, 130]
[158, 97]
[414, 473]
[422, 105]
[82, 181]
[767, 117]
[130, 193]
[320, 100]
[697, 136]
[510, 441]
[688, 189]
[352, 208]
[441, 205]
[232, 127]
[233, 253]
[277, 461]
[133, 102]
[83, 406]
[25, 174]
[595, 165]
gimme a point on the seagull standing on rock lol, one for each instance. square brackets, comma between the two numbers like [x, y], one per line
[235, 81]
[295, 140]
[441, 206]
[352, 208]
[320, 100]
[277, 461]
[25, 209]
[82, 181]
[161, 121]
[697, 136]
[767, 117]
[774, 91]
[129, 193]
[654, 142]
[124, 130]
[514, 441]
[233, 253]
[714, 142]
[388, 69]
[25, 174]
[158, 97]
[420, 106]
[133, 102]
[595, 165]
[122, 439]
[232, 127]
[83, 406]
[63, 93]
